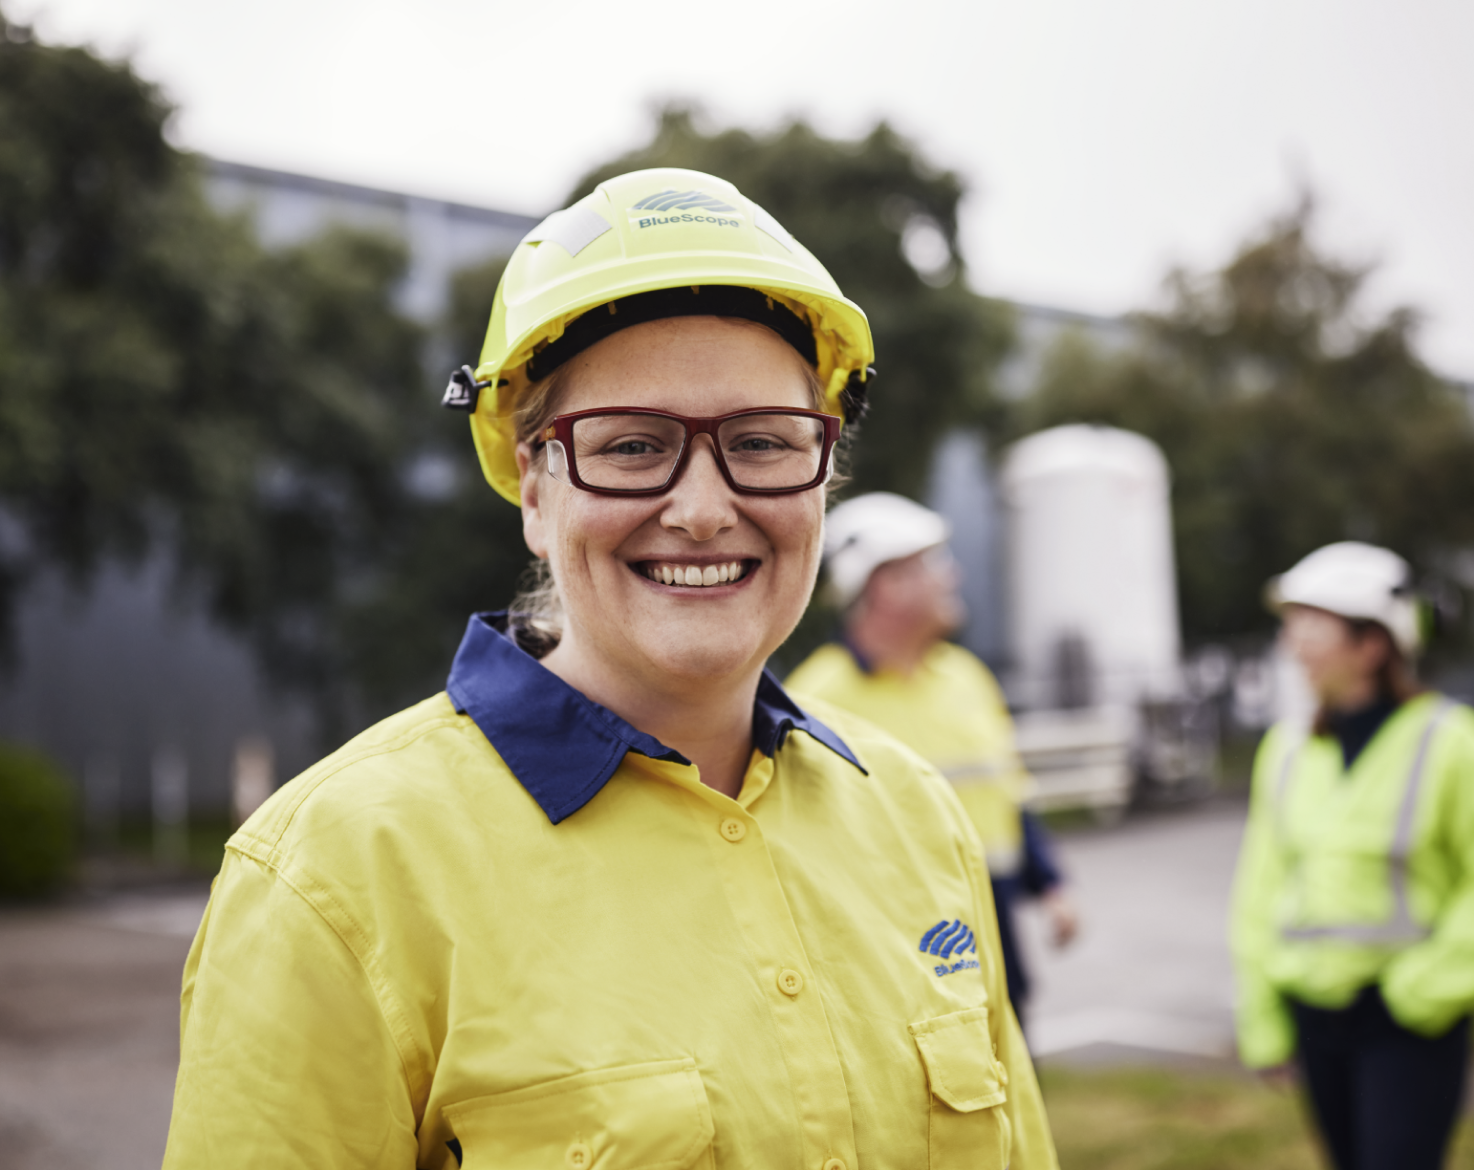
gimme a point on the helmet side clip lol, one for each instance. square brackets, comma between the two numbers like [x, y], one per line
[463, 391]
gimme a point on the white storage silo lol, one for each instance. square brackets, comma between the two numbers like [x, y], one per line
[1091, 586]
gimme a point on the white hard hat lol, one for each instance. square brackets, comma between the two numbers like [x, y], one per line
[864, 533]
[1359, 581]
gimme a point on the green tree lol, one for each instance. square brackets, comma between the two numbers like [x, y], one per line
[168, 387]
[455, 547]
[1291, 417]
[861, 207]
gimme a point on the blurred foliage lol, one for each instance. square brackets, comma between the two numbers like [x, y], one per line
[861, 207]
[457, 547]
[37, 823]
[169, 387]
[1290, 415]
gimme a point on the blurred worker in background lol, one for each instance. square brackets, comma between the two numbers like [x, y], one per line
[895, 580]
[1353, 920]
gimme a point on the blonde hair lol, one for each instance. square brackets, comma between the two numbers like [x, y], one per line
[536, 615]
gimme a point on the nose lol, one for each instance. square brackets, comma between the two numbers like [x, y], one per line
[700, 503]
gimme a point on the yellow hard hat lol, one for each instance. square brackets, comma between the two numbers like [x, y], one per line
[712, 249]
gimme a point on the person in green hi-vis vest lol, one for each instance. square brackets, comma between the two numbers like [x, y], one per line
[1353, 913]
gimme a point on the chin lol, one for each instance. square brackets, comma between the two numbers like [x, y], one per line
[701, 658]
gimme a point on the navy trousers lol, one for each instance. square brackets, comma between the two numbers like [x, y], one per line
[1384, 1098]
[1007, 892]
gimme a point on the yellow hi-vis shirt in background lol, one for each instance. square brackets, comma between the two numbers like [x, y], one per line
[505, 928]
[951, 712]
[1349, 878]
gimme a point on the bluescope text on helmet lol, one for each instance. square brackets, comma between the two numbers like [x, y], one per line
[683, 207]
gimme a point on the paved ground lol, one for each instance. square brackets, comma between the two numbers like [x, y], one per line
[89, 1016]
[89, 992]
[1150, 970]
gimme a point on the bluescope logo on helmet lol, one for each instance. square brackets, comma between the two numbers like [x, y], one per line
[672, 206]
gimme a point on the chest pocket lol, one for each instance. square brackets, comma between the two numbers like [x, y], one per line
[967, 1125]
[638, 1117]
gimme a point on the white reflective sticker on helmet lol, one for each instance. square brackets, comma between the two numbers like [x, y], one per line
[575, 228]
[767, 223]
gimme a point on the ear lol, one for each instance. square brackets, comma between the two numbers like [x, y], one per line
[534, 526]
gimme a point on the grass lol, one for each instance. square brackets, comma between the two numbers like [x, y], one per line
[1162, 1119]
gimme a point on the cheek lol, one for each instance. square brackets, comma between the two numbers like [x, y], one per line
[799, 529]
[587, 531]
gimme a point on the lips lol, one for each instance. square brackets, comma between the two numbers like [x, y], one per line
[697, 576]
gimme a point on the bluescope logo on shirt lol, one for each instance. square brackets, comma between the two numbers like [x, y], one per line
[672, 206]
[948, 938]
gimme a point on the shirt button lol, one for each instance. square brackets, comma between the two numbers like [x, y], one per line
[733, 830]
[790, 982]
[579, 1156]
[834, 1164]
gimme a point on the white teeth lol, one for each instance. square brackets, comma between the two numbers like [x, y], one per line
[696, 574]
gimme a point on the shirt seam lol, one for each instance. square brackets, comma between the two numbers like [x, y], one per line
[390, 1011]
[273, 840]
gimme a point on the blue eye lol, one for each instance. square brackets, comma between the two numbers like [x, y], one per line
[633, 447]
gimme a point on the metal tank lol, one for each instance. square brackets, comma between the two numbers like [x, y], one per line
[1092, 615]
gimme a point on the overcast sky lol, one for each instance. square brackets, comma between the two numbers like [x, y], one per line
[1101, 141]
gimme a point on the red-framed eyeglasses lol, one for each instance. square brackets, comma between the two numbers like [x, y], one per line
[631, 451]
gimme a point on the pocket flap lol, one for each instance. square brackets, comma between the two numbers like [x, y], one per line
[637, 1117]
[957, 1050]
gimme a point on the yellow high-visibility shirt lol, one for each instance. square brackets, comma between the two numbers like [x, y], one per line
[505, 928]
[952, 713]
[1348, 878]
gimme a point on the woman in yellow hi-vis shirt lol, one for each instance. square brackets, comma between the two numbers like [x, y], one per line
[612, 900]
[1353, 928]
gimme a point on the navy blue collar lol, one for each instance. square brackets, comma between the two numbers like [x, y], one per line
[1355, 729]
[561, 745]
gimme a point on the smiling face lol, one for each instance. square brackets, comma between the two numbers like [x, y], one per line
[627, 568]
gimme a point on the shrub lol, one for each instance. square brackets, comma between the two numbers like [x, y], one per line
[37, 822]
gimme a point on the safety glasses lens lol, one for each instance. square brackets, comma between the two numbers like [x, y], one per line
[626, 452]
[772, 451]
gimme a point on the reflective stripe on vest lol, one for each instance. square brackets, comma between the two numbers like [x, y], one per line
[1401, 927]
[981, 772]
